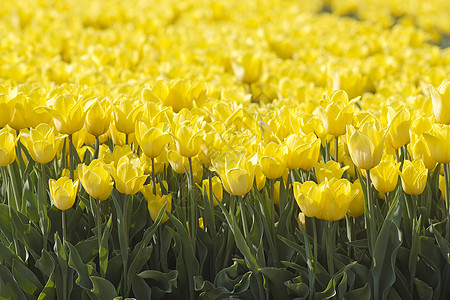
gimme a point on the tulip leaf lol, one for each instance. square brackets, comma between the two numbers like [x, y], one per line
[46, 263]
[7, 254]
[26, 278]
[83, 270]
[141, 289]
[362, 293]
[442, 243]
[5, 222]
[103, 251]
[9, 288]
[165, 282]
[49, 290]
[424, 291]
[102, 288]
[27, 234]
[276, 277]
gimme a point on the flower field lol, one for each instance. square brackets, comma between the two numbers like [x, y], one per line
[224, 149]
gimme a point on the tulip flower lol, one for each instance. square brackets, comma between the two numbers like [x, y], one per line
[442, 187]
[42, 143]
[63, 192]
[303, 151]
[95, 179]
[98, 116]
[155, 201]
[329, 200]
[441, 102]
[67, 113]
[188, 139]
[336, 113]
[385, 175]
[125, 113]
[128, 175]
[418, 148]
[414, 177]
[248, 68]
[365, 145]
[272, 159]
[216, 189]
[438, 141]
[7, 146]
[151, 139]
[331, 169]
[399, 124]
[179, 96]
[356, 207]
[236, 172]
[7, 108]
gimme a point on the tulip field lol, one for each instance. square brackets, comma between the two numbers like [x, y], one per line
[224, 149]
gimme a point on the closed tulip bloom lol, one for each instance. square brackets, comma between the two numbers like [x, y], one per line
[336, 113]
[438, 141]
[418, 148]
[356, 207]
[125, 113]
[188, 139]
[248, 68]
[303, 151]
[385, 175]
[151, 139]
[236, 172]
[128, 175]
[7, 108]
[179, 96]
[7, 146]
[156, 202]
[67, 113]
[399, 124]
[442, 186]
[441, 102]
[42, 143]
[95, 179]
[216, 189]
[178, 163]
[365, 145]
[329, 200]
[272, 159]
[63, 192]
[331, 169]
[98, 117]
[414, 177]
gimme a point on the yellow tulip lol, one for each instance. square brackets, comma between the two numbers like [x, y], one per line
[236, 172]
[188, 139]
[7, 108]
[98, 116]
[272, 159]
[385, 175]
[441, 102]
[438, 141]
[414, 177]
[303, 151]
[356, 207]
[67, 113]
[365, 145]
[442, 186]
[418, 148]
[156, 202]
[301, 221]
[151, 139]
[331, 169]
[42, 143]
[329, 200]
[247, 68]
[125, 113]
[336, 113]
[7, 146]
[216, 189]
[95, 179]
[179, 96]
[128, 175]
[178, 163]
[63, 192]
[399, 124]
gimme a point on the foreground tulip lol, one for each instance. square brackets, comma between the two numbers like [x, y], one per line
[188, 139]
[67, 113]
[337, 113]
[151, 139]
[418, 148]
[356, 207]
[63, 192]
[365, 145]
[155, 201]
[7, 146]
[98, 117]
[399, 124]
[329, 170]
[414, 177]
[95, 179]
[438, 141]
[385, 175]
[125, 113]
[303, 151]
[216, 189]
[272, 159]
[128, 175]
[441, 102]
[42, 143]
[329, 200]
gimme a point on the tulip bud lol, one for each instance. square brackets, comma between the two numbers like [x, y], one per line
[63, 192]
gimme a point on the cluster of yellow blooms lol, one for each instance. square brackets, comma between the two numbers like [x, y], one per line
[201, 85]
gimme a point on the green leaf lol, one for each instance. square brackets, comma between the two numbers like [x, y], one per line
[102, 288]
[276, 279]
[27, 234]
[46, 263]
[359, 294]
[8, 286]
[5, 222]
[26, 278]
[141, 289]
[83, 270]
[7, 254]
[163, 281]
[49, 291]
[424, 291]
[103, 251]
[442, 243]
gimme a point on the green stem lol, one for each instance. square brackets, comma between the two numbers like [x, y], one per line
[330, 248]
[42, 207]
[153, 176]
[125, 251]
[369, 214]
[315, 251]
[243, 217]
[99, 236]
[126, 138]
[63, 225]
[192, 208]
[97, 147]
[336, 149]
[71, 157]
[10, 207]
[19, 152]
[447, 196]
[251, 92]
